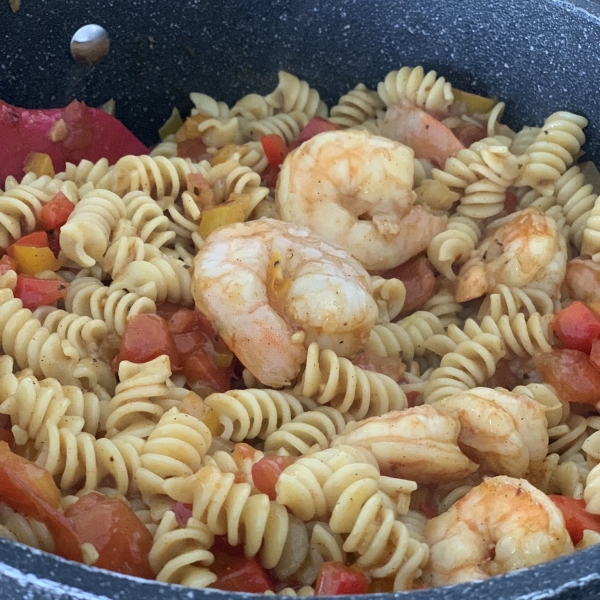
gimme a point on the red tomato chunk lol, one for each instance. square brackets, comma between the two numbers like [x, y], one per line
[123, 542]
[35, 292]
[236, 572]
[56, 212]
[419, 280]
[572, 374]
[30, 490]
[577, 327]
[336, 579]
[266, 472]
[145, 338]
[577, 518]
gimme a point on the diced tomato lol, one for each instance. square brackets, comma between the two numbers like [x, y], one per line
[510, 203]
[204, 356]
[235, 572]
[145, 338]
[35, 292]
[201, 368]
[121, 539]
[7, 264]
[336, 579]
[572, 374]
[577, 518]
[391, 366]
[30, 490]
[37, 239]
[595, 354]
[88, 133]
[275, 149]
[315, 126]
[182, 513]
[577, 326]
[270, 177]
[266, 472]
[428, 508]
[56, 212]
[194, 149]
[411, 398]
[419, 280]
[469, 133]
[54, 243]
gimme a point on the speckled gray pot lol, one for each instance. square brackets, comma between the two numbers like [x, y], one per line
[538, 56]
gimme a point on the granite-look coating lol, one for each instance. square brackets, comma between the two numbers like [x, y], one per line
[538, 55]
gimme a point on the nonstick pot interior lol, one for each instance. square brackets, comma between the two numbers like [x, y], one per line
[537, 55]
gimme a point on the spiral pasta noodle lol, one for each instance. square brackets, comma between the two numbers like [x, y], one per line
[84, 333]
[135, 398]
[425, 90]
[24, 529]
[293, 95]
[174, 448]
[468, 366]
[90, 297]
[79, 461]
[157, 176]
[332, 380]
[226, 507]
[286, 125]
[20, 208]
[253, 413]
[89, 174]
[159, 279]
[407, 337]
[390, 295]
[32, 345]
[454, 245]
[552, 151]
[306, 431]
[181, 554]
[356, 107]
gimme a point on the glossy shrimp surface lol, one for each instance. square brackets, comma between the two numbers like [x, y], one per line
[502, 525]
[582, 280]
[501, 431]
[355, 189]
[419, 443]
[522, 249]
[271, 288]
[427, 136]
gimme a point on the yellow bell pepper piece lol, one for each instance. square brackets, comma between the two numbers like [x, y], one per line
[232, 211]
[189, 129]
[473, 102]
[40, 164]
[226, 152]
[31, 261]
[193, 405]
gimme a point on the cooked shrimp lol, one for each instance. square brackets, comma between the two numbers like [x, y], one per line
[582, 280]
[355, 189]
[500, 430]
[502, 525]
[522, 249]
[419, 443]
[428, 137]
[271, 288]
